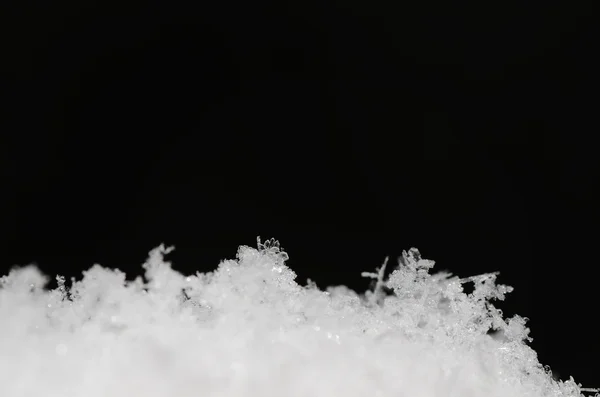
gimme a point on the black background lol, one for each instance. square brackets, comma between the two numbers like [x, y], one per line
[348, 131]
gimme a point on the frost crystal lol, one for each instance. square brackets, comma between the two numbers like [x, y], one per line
[248, 329]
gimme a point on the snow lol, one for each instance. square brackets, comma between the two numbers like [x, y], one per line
[248, 329]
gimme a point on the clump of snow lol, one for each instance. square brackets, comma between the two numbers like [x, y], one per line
[248, 329]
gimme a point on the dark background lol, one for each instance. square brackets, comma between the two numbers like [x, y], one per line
[348, 131]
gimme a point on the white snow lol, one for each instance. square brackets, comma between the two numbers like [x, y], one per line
[248, 329]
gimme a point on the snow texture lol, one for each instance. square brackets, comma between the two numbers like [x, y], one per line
[248, 329]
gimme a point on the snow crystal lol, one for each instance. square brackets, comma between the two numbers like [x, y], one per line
[249, 329]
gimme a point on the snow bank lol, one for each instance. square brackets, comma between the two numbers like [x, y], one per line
[248, 329]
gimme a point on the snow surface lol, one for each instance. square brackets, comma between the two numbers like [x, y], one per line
[248, 329]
